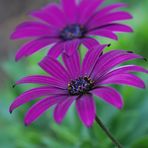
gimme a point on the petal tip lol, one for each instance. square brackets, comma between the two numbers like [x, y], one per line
[14, 85]
[10, 110]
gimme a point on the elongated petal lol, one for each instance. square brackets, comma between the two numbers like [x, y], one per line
[51, 14]
[90, 43]
[54, 68]
[33, 29]
[110, 8]
[126, 69]
[90, 59]
[72, 64]
[88, 9]
[33, 94]
[109, 95]
[117, 28]
[33, 46]
[104, 33]
[111, 59]
[123, 79]
[56, 50]
[71, 46]
[70, 9]
[86, 109]
[62, 108]
[39, 108]
[41, 79]
[109, 18]
[106, 10]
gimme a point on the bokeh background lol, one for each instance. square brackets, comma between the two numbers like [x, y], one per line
[129, 126]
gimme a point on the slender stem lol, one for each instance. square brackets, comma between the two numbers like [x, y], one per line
[108, 133]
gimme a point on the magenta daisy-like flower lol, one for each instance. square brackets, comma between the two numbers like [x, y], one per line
[66, 25]
[79, 82]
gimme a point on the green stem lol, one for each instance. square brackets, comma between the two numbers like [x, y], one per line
[108, 133]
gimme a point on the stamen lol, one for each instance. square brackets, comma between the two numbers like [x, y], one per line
[80, 86]
[73, 31]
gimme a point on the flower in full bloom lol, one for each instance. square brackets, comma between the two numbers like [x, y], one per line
[67, 25]
[78, 82]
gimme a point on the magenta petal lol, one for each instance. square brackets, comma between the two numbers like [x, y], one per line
[56, 50]
[102, 12]
[109, 95]
[90, 43]
[109, 18]
[33, 46]
[104, 33]
[54, 68]
[88, 9]
[70, 9]
[71, 46]
[33, 29]
[86, 109]
[51, 14]
[111, 59]
[88, 64]
[39, 108]
[126, 69]
[72, 64]
[117, 28]
[41, 79]
[62, 108]
[110, 8]
[123, 79]
[33, 94]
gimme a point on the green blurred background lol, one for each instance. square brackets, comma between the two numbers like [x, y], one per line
[129, 125]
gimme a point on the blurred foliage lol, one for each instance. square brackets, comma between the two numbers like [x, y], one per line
[129, 125]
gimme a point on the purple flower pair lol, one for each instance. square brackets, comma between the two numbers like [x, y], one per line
[66, 27]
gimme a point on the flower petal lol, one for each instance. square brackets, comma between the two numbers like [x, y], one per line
[33, 29]
[39, 108]
[88, 9]
[109, 95]
[117, 28]
[91, 58]
[106, 10]
[62, 108]
[126, 69]
[33, 46]
[56, 50]
[41, 79]
[110, 8]
[71, 46]
[72, 64]
[108, 18]
[104, 33]
[111, 59]
[51, 14]
[86, 109]
[33, 94]
[123, 79]
[54, 68]
[89, 42]
[70, 9]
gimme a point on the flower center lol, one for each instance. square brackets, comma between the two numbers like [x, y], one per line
[80, 86]
[73, 31]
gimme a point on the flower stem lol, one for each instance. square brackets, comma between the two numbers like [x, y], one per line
[99, 122]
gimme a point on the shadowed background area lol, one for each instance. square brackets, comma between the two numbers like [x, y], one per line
[129, 125]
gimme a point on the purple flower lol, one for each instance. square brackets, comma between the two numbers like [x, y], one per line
[76, 82]
[68, 25]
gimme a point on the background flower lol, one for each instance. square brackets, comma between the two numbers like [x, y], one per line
[67, 25]
[79, 83]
